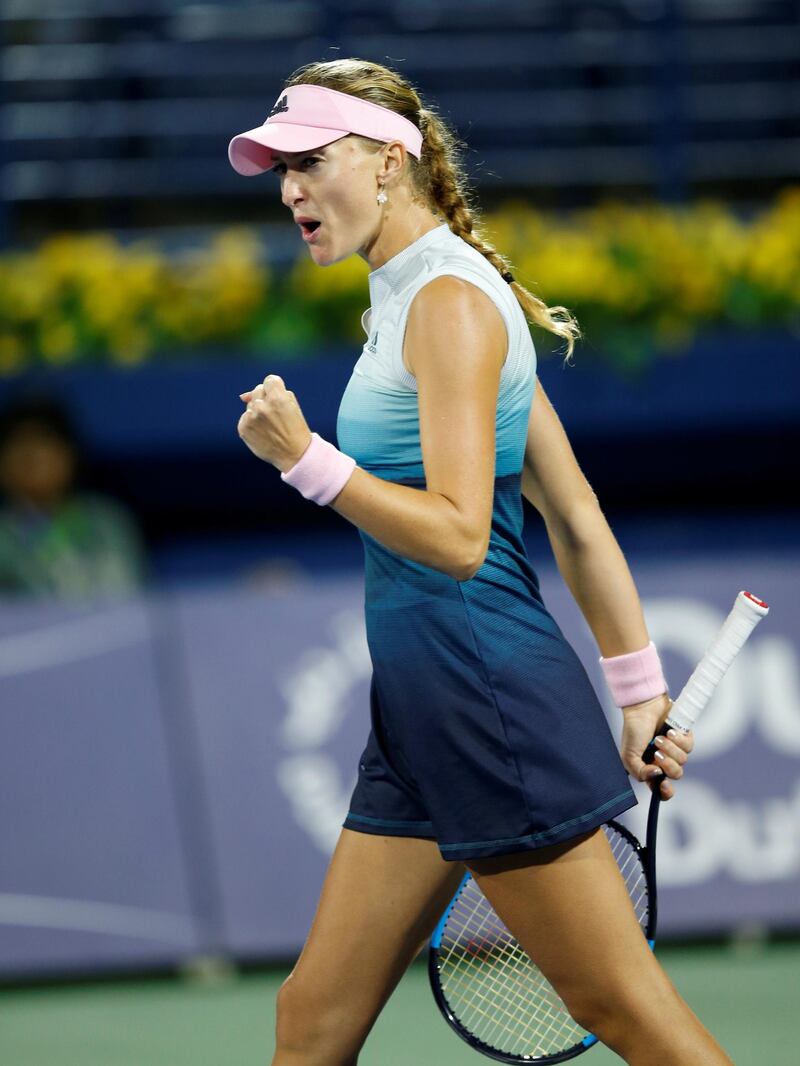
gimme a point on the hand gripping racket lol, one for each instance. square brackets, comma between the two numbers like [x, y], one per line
[488, 989]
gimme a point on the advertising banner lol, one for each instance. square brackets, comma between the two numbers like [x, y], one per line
[174, 773]
[94, 871]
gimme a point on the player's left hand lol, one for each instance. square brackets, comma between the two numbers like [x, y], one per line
[273, 426]
[641, 723]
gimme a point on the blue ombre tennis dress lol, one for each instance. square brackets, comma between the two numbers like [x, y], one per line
[487, 735]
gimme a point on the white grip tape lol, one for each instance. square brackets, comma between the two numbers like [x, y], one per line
[747, 612]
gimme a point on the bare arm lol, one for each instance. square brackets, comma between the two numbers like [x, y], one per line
[586, 551]
[455, 344]
[593, 566]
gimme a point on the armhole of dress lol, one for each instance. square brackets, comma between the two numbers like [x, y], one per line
[405, 377]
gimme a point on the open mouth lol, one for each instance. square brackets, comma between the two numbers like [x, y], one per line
[309, 227]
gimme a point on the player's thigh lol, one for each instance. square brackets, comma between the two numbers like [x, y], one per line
[569, 908]
[381, 899]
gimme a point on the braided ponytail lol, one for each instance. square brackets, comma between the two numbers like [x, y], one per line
[438, 176]
[448, 191]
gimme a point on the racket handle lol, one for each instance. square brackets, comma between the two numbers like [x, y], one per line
[747, 612]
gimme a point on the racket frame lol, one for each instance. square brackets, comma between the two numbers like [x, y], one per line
[646, 856]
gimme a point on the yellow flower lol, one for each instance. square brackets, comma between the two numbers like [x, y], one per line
[28, 293]
[129, 344]
[313, 282]
[663, 268]
[58, 341]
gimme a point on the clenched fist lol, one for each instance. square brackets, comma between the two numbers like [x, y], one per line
[273, 426]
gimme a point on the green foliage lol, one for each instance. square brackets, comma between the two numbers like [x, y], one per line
[642, 280]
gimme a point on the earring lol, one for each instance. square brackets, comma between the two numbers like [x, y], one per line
[382, 197]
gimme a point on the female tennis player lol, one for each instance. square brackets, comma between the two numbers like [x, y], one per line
[488, 745]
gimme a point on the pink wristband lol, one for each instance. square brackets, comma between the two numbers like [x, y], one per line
[321, 472]
[635, 677]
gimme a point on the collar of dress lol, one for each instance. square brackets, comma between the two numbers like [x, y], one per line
[398, 271]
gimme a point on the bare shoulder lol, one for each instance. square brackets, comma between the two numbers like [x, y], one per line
[451, 313]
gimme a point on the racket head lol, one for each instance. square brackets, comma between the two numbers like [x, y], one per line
[493, 995]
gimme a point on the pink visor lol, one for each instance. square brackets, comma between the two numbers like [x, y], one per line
[309, 116]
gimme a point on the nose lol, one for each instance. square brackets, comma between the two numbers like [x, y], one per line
[292, 191]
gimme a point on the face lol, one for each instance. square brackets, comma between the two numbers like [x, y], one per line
[337, 186]
[36, 465]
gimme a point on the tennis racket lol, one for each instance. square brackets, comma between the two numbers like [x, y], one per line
[486, 986]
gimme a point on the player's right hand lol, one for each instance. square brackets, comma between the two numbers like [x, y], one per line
[273, 426]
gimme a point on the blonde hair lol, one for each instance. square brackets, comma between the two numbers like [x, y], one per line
[437, 177]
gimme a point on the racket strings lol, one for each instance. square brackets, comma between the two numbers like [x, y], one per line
[509, 1026]
[495, 990]
[630, 866]
[509, 981]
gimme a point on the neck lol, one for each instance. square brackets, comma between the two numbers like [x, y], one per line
[402, 224]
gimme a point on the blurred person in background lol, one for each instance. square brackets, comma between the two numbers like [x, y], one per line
[489, 747]
[57, 540]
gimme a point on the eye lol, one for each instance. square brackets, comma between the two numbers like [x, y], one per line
[280, 168]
